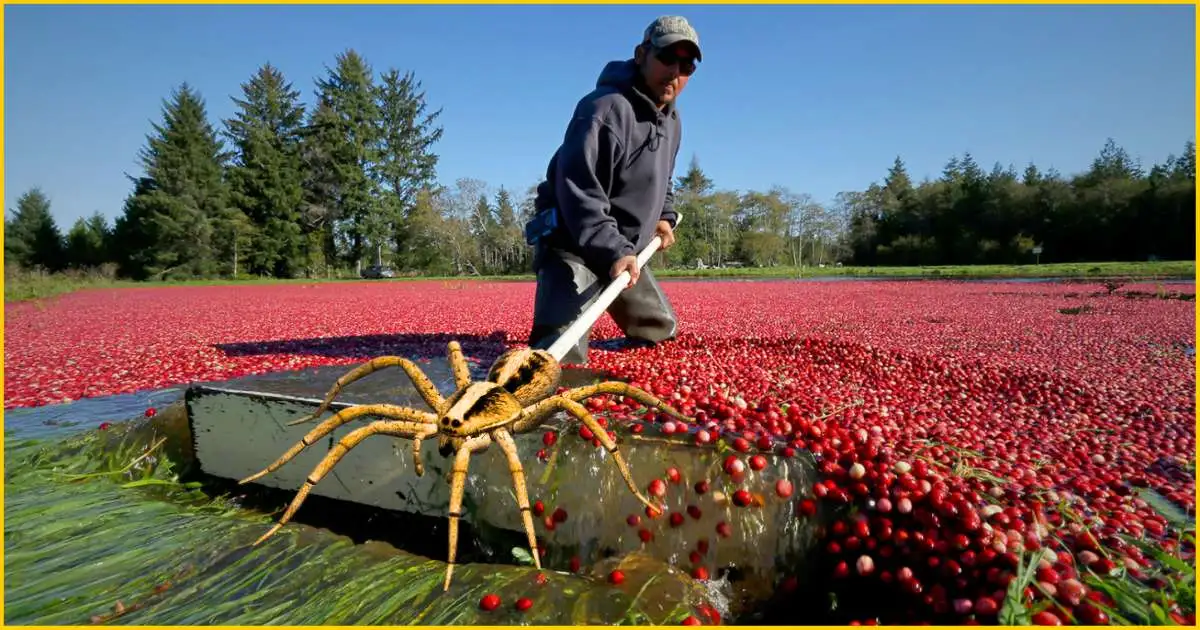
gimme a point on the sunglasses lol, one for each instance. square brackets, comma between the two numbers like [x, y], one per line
[672, 56]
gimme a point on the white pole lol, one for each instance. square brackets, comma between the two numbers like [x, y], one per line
[575, 331]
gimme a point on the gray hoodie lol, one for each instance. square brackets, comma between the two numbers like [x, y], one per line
[611, 179]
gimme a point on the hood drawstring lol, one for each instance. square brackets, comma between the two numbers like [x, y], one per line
[656, 139]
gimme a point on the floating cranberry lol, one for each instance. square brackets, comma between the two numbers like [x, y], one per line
[1046, 618]
[673, 475]
[733, 465]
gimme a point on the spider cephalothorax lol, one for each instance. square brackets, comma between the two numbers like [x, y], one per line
[515, 398]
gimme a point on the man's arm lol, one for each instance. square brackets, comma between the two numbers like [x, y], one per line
[584, 176]
[668, 212]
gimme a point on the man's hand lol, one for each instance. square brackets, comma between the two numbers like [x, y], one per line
[626, 263]
[664, 231]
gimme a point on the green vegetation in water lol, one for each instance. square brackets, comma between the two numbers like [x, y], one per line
[99, 528]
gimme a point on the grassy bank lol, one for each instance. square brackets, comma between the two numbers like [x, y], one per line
[27, 285]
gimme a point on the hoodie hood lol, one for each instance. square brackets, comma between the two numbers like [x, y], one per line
[617, 74]
[623, 77]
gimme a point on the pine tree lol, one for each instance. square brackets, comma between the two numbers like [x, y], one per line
[267, 179]
[319, 208]
[87, 242]
[695, 180]
[406, 162]
[692, 199]
[173, 220]
[348, 115]
[511, 235]
[31, 236]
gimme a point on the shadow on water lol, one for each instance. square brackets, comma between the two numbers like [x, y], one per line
[412, 345]
[479, 350]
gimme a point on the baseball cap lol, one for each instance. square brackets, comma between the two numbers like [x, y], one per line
[671, 29]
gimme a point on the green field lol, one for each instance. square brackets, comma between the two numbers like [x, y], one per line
[28, 286]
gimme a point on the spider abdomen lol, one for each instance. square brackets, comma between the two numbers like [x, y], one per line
[526, 373]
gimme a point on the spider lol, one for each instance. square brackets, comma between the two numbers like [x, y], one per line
[514, 398]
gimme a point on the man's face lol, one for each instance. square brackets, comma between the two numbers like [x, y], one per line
[667, 70]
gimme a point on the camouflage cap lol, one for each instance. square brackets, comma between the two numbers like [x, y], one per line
[670, 29]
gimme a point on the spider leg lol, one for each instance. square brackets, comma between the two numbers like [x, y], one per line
[395, 428]
[509, 446]
[557, 403]
[420, 423]
[458, 480]
[418, 464]
[578, 394]
[462, 372]
[424, 386]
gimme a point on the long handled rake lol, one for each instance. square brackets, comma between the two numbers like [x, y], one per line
[584, 322]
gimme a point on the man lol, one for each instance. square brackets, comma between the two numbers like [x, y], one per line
[608, 192]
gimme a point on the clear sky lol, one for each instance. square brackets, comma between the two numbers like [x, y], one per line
[816, 98]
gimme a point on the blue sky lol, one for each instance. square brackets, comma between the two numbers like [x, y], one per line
[816, 98]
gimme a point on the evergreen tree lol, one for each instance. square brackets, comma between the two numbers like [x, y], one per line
[348, 116]
[319, 208]
[692, 199]
[87, 242]
[267, 179]
[31, 236]
[511, 234]
[406, 161]
[181, 203]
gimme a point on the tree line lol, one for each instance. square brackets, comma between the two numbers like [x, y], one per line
[286, 190]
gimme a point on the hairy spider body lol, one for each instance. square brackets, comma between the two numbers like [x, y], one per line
[474, 409]
[515, 398]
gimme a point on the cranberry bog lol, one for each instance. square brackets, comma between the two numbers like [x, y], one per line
[985, 452]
